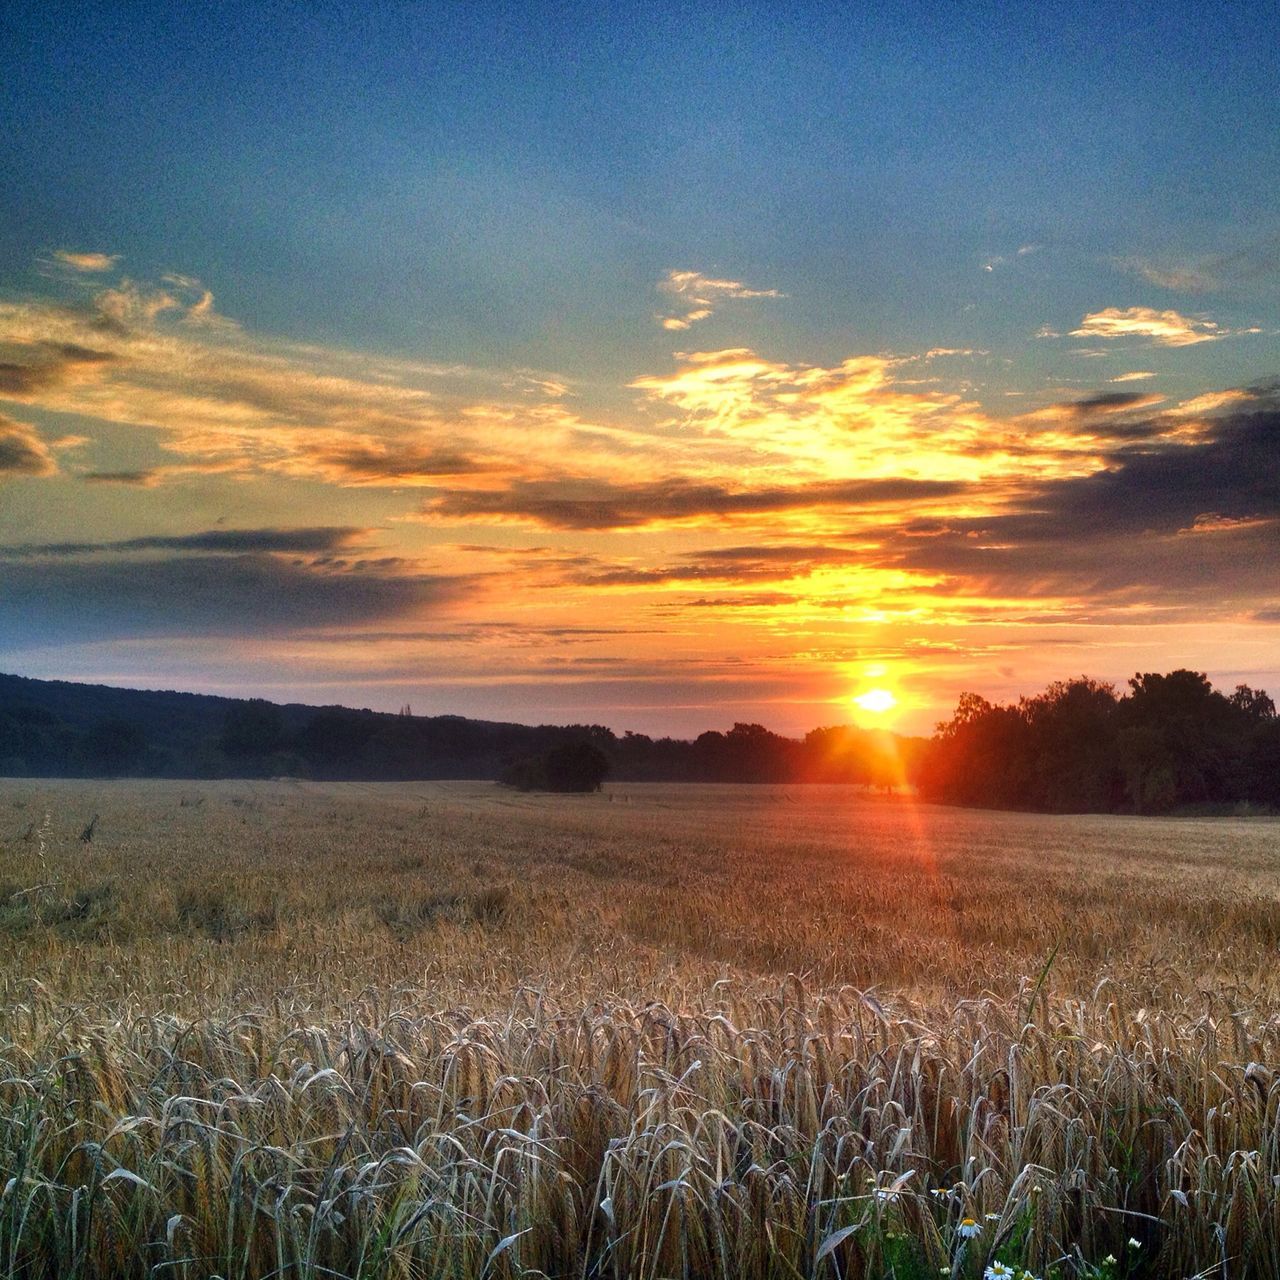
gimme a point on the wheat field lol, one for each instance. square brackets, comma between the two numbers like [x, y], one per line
[445, 1030]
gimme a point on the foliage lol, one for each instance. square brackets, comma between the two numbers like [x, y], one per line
[573, 766]
[1172, 742]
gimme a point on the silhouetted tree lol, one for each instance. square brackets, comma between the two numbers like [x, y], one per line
[1071, 732]
[979, 757]
[113, 746]
[335, 738]
[570, 767]
[1179, 743]
[253, 728]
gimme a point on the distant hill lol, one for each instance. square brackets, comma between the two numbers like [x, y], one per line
[55, 728]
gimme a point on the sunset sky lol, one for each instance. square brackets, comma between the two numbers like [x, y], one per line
[654, 366]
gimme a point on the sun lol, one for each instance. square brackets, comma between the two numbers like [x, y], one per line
[876, 702]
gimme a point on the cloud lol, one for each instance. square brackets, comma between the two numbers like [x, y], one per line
[87, 262]
[745, 564]
[1178, 520]
[1101, 404]
[1134, 375]
[697, 296]
[993, 262]
[160, 359]
[604, 504]
[1178, 279]
[143, 478]
[58, 600]
[1163, 328]
[1207, 274]
[313, 540]
[377, 462]
[39, 366]
[22, 452]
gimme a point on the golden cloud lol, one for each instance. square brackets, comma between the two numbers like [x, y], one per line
[88, 262]
[698, 295]
[22, 452]
[1163, 328]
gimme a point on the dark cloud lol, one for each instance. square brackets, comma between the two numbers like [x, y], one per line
[378, 464]
[303, 541]
[1107, 402]
[144, 478]
[724, 564]
[1233, 472]
[1200, 518]
[792, 553]
[22, 452]
[63, 600]
[753, 600]
[601, 504]
[51, 364]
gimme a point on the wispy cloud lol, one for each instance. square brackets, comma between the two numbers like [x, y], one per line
[1161, 328]
[1206, 273]
[1177, 279]
[994, 261]
[604, 504]
[697, 296]
[1134, 375]
[22, 452]
[161, 358]
[91, 263]
[312, 540]
[53, 601]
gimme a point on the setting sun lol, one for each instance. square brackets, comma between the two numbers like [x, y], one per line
[876, 701]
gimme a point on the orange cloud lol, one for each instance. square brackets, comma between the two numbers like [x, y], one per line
[1163, 328]
[88, 262]
[698, 295]
[22, 452]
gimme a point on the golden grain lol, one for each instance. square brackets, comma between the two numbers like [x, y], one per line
[294, 1029]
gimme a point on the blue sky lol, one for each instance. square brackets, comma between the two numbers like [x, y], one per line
[1032, 191]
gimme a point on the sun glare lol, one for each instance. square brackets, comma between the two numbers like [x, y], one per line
[876, 702]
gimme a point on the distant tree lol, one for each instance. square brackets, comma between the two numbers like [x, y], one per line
[570, 767]
[253, 728]
[980, 756]
[1254, 705]
[113, 746]
[1071, 729]
[1262, 764]
[1180, 742]
[335, 738]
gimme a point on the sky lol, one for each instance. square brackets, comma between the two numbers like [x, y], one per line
[654, 366]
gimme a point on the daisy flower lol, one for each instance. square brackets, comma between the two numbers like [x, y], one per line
[968, 1229]
[998, 1271]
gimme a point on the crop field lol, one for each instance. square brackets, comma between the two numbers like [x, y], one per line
[292, 1029]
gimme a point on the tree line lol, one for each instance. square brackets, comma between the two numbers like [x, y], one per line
[1168, 742]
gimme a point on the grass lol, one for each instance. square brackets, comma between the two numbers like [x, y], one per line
[443, 1030]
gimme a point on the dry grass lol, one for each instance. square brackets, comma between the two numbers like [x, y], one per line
[442, 1030]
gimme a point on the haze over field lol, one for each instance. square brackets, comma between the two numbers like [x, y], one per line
[663, 370]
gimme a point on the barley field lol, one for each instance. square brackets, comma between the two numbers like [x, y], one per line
[289, 1029]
